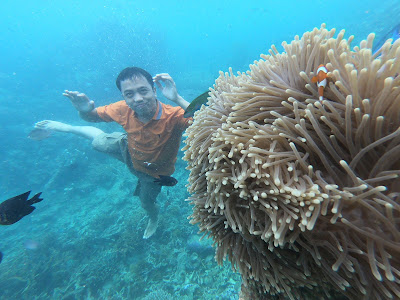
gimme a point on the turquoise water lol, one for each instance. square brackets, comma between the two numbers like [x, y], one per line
[84, 241]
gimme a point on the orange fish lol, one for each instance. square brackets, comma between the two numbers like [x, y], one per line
[321, 80]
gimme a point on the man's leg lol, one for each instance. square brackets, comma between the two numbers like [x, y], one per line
[116, 145]
[88, 132]
[109, 143]
[148, 191]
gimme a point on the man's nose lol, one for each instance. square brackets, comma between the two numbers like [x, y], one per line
[137, 98]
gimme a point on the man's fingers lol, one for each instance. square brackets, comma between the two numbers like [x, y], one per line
[68, 96]
[169, 83]
[162, 76]
[41, 123]
[159, 85]
[75, 96]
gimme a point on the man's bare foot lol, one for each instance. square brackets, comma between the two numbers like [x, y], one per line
[53, 126]
[43, 129]
[151, 227]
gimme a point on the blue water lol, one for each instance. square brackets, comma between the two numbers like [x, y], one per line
[88, 229]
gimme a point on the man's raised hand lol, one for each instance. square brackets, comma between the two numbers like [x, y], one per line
[80, 101]
[169, 88]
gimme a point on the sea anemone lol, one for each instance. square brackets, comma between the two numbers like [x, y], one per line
[301, 194]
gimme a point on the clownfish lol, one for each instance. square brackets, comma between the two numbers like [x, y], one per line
[321, 80]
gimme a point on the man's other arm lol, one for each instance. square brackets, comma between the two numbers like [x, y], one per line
[84, 106]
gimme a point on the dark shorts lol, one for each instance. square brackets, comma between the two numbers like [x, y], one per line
[116, 145]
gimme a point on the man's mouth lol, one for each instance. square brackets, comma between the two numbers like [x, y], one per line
[139, 106]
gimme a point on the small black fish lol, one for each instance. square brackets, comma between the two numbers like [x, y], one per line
[14, 209]
[1, 256]
[196, 105]
[166, 180]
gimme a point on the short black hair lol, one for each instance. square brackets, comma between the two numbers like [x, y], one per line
[132, 72]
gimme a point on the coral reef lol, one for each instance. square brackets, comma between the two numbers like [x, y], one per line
[301, 194]
[89, 237]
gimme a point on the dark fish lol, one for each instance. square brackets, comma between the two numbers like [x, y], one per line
[393, 34]
[195, 105]
[166, 180]
[15, 208]
[1, 256]
[39, 134]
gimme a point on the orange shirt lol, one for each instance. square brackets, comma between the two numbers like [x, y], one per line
[153, 146]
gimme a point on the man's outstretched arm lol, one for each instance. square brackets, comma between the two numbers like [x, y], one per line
[84, 106]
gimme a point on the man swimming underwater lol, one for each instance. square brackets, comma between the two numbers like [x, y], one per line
[153, 132]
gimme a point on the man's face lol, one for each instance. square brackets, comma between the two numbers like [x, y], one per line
[139, 95]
